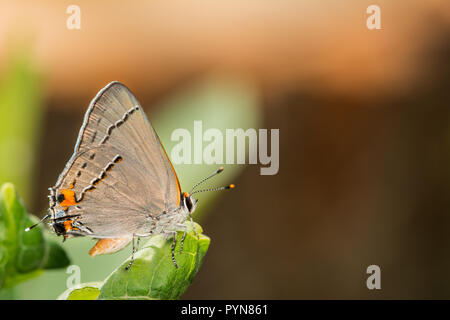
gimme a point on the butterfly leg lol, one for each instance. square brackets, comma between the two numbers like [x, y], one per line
[132, 255]
[184, 228]
[174, 242]
[182, 242]
[193, 227]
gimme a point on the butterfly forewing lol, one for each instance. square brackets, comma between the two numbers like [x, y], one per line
[119, 177]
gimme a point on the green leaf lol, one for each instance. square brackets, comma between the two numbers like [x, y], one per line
[23, 255]
[57, 257]
[85, 291]
[152, 275]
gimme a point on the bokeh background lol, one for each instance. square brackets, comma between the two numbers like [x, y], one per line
[364, 119]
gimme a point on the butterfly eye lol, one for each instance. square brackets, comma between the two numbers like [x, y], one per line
[189, 204]
[61, 198]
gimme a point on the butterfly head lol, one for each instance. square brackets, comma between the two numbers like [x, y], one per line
[189, 202]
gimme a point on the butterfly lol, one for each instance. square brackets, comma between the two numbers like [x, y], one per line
[119, 184]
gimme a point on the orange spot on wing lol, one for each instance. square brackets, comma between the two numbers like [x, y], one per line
[69, 198]
[104, 246]
[68, 225]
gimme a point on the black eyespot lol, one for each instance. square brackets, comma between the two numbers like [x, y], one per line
[59, 228]
[61, 198]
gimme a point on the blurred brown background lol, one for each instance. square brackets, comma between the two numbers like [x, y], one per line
[364, 119]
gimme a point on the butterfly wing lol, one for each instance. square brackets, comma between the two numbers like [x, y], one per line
[119, 177]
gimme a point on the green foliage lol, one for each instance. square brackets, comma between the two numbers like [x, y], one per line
[21, 116]
[23, 255]
[152, 275]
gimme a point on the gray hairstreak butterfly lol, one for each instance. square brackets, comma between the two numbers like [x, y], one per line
[119, 184]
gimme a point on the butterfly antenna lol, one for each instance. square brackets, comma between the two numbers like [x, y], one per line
[36, 224]
[231, 186]
[207, 178]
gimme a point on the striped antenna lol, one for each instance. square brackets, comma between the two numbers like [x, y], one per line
[205, 179]
[231, 186]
